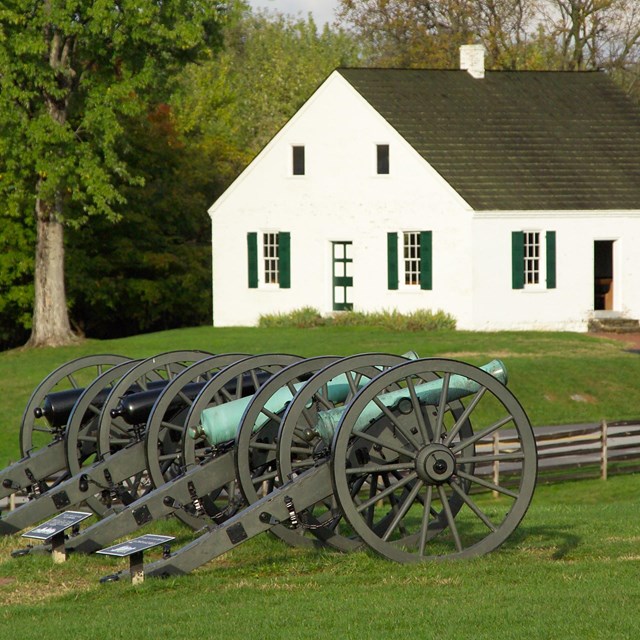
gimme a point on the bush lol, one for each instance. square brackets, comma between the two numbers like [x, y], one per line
[306, 317]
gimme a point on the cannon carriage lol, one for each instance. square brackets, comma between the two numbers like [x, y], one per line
[372, 449]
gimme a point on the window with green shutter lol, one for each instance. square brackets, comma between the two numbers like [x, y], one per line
[532, 264]
[415, 269]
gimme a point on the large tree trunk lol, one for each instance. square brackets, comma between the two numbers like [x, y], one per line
[51, 327]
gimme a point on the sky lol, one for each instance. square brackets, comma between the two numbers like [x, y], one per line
[322, 10]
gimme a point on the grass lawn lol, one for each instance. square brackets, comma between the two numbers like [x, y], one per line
[570, 570]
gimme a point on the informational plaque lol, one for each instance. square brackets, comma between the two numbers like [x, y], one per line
[136, 545]
[134, 549]
[56, 525]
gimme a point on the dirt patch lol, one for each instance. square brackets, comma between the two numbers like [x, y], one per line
[630, 341]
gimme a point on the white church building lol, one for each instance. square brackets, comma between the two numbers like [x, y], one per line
[510, 200]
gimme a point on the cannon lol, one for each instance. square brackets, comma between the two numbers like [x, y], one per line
[44, 423]
[96, 475]
[399, 471]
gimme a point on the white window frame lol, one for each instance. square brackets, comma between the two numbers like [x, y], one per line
[534, 255]
[269, 265]
[409, 265]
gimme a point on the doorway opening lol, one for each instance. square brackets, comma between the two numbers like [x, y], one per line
[603, 275]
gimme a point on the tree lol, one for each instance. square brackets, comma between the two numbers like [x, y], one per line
[517, 34]
[269, 66]
[151, 270]
[70, 74]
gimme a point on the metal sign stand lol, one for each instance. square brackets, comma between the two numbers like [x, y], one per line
[134, 550]
[53, 531]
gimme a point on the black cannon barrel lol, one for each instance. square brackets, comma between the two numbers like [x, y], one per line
[57, 406]
[136, 407]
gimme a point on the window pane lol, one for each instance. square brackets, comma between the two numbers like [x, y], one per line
[271, 261]
[383, 159]
[298, 160]
[531, 257]
[411, 252]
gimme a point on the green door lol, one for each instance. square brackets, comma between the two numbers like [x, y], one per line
[342, 278]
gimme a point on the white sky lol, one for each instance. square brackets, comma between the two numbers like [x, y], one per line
[322, 10]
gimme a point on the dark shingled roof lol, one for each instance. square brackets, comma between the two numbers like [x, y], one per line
[516, 140]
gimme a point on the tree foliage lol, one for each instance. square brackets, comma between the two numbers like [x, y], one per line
[268, 68]
[71, 73]
[517, 34]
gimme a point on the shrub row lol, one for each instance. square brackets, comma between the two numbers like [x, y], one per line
[307, 317]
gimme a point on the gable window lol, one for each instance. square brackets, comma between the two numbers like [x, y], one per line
[274, 267]
[533, 259]
[298, 167]
[382, 159]
[415, 269]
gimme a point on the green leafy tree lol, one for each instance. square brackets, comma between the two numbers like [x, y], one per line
[517, 34]
[270, 65]
[71, 73]
[151, 270]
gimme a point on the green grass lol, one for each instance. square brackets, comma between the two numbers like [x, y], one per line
[559, 378]
[570, 571]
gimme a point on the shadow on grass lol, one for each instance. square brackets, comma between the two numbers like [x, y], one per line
[546, 537]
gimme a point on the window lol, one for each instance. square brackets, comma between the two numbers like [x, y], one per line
[274, 266]
[382, 151]
[270, 257]
[533, 259]
[411, 242]
[417, 260]
[298, 160]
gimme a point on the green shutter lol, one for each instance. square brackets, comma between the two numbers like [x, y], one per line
[517, 260]
[284, 255]
[252, 253]
[426, 260]
[392, 260]
[551, 259]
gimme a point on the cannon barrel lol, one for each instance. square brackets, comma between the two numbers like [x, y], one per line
[136, 407]
[218, 424]
[57, 406]
[428, 393]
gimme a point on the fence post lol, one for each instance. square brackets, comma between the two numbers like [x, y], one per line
[604, 453]
[496, 463]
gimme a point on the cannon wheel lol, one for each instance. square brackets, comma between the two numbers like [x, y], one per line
[298, 450]
[439, 460]
[81, 435]
[114, 433]
[228, 499]
[35, 432]
[255, 451]
[166, 424]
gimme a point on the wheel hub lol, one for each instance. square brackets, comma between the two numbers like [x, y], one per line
[435, 464]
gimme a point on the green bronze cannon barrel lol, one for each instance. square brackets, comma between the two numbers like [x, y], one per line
[218, 424]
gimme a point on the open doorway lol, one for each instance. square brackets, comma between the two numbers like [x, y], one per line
[603, 275]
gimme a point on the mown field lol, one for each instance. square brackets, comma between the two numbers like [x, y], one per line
[570, 571]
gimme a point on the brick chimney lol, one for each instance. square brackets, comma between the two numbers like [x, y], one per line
[472, 59]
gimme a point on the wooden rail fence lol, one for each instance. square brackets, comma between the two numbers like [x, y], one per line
[568, 452]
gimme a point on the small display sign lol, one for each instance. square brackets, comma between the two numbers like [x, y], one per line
[56, 525]
[135, 545]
